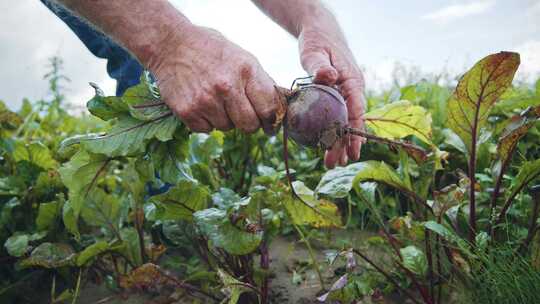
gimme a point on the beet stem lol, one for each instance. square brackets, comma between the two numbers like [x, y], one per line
[406, 145]
[288, 173]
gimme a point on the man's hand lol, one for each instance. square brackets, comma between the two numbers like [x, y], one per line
[206, 80]
[209, 82]
[325, 55]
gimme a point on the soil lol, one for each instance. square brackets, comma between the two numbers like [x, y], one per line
[288, 256]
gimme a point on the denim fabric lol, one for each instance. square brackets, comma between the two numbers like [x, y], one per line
[120, 64]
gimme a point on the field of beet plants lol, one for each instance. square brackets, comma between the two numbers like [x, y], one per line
[126, 205]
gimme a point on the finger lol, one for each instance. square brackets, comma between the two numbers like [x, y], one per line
[194, 123]
[333, 155]
[318, 63]
[344, 158]
[355, 143]
[352, 90]
[187, 114]
[238, 107]
[260, 91]
[217, 115]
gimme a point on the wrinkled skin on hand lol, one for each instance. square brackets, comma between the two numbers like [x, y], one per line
[211, 83]
[324, 53]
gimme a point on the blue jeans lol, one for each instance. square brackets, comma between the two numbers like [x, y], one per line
[121, 66]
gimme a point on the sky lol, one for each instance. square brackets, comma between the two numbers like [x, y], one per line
[428, 36]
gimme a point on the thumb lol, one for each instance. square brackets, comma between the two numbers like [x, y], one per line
[318, 64]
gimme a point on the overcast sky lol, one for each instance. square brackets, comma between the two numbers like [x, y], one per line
[433, 35]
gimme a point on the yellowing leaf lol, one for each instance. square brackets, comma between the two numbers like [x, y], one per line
[516, 128]
[36, 153]
[50, 255]
[232, 287]
[319, 213]
[477, 91]
[400, 119]
[147, 276]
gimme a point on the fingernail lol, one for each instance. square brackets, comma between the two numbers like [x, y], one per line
[344, 159]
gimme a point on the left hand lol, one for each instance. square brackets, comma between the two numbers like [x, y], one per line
[325, 55]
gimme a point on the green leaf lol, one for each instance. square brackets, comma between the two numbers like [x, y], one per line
[70, 146]
[36, 153]
[50, 255]
[144, 100]
[168, 158]
[17, 245]
[129, 136]
[528, 171]
[181, 201]
[447, 234]
[414, 259]
[310, 210]
[47, 215]
[92, 251]
[225, 198]
[106, 108]
[131, 247]
[337, 182]
[11, 186]
[477, 91]
[452, 139]
[70, 220]
[232, 287]
[8, 120]
[80, 175]
[516, 127]
[205, 147]
[7, 212]
[400, 119]
[216, 226]
[382, 173]
[101, 210]
[447, 198]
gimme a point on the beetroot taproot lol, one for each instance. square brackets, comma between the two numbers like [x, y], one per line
[316, 116]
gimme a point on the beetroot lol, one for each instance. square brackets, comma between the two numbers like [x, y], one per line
[316, 116]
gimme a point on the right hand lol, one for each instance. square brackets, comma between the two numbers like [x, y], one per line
[211, 83]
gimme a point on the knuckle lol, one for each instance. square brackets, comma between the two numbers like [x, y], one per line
[184, 112]
[249, 126]
[268, 113]
[203, 100]
[247, 69]
[223, 86]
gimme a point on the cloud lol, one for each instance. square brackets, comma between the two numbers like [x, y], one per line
[32, 35]
[529, 68]
[533, 12]
[456, 11]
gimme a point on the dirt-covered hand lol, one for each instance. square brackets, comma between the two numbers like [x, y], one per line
[211, 83]
[324, 53]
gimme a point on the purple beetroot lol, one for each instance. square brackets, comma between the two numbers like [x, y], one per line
[316, 116]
